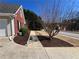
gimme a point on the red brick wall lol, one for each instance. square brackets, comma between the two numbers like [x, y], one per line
[20, 18]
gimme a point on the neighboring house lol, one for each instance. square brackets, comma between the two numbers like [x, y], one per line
[11, 19]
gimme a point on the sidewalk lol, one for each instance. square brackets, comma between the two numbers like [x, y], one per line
[35, 50]
[56, 52]
[33, 41]
[35, 45]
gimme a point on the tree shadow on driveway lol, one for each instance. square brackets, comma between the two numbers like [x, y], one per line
[55, 42]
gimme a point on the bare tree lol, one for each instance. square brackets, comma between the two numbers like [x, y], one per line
[53, 12]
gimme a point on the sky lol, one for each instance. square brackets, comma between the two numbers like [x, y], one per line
[27, 4]
[35, 5]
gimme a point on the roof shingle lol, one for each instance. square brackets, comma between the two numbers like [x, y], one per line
[8, 8]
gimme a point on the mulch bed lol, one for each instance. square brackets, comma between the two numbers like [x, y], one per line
[22, 40]
[55, 42]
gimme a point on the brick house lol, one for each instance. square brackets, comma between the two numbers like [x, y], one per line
[11, 19]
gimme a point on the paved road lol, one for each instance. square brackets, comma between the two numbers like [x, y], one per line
[73, 35]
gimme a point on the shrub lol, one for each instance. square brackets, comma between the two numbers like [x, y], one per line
[23, 30]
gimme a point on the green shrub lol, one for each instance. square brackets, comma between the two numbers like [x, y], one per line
[23, 30]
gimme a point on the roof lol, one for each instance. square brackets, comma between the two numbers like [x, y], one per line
[8, 8]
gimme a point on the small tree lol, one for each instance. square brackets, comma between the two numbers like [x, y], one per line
[53, 14]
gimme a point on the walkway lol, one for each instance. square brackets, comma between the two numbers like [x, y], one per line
[33, 41]
[58, 52]
[34, 50]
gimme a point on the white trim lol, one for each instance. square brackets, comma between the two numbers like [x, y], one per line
[13, 29]
[18, 10]
[8, 27]
[23, 14]
[6, 14]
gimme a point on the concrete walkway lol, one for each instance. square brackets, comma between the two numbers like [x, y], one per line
[34, 50]
[60, 52]
[15, 51]
[34, 41]
[63, 52]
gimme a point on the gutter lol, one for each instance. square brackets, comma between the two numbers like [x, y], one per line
[6, 14]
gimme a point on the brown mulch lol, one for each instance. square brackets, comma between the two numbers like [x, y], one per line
[22, 40]
[55, 42]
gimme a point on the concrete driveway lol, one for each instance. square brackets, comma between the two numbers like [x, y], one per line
[15, 51]
[4, 41]
[11, 50]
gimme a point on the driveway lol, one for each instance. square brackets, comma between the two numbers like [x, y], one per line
[4, 41]
[15, 51]
[11, 50]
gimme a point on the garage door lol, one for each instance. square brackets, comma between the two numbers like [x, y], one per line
[3, 25]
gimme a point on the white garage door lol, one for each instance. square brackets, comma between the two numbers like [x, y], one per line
[3, 25]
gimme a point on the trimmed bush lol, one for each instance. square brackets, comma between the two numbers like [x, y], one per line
[23, 31]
